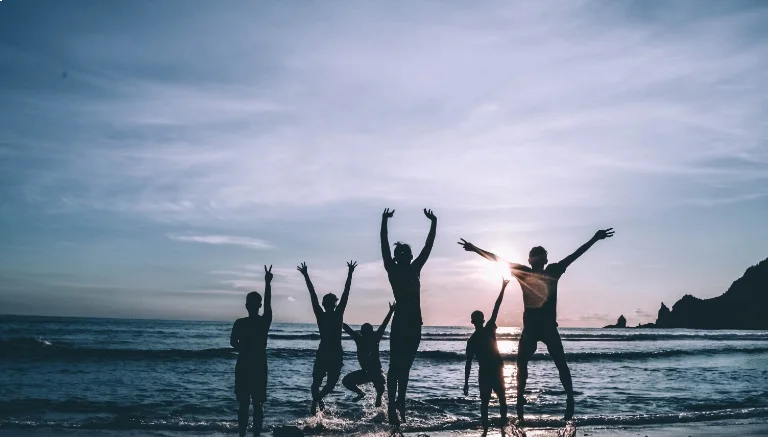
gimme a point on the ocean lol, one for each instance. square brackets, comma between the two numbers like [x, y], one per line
[114, 374]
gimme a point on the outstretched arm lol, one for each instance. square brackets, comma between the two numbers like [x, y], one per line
[424, 255]
[599, 235]
[345, 295]
[351, 332]
[383, 327]
[469, 247]
[268, 295]
[468, 368]
[492, 320]
[386, 254]
[312, 295]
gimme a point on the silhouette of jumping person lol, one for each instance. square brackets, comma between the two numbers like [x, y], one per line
[482, 344]
[249, 338]
[539, 285]
[405, 335]
[367, 341]
[330, 355]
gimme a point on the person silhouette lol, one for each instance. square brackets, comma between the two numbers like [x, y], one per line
[249, 339]
[367, 342]
[405, 336]
[330, 355]
[539, 285]
[482, 344]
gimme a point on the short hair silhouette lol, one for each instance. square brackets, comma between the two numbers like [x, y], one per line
[253, 298]
[537, 252]
[477, 317]
[367, 328]
[329, 299]
[403, 250]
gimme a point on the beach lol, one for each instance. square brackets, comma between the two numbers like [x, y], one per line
[142, 377]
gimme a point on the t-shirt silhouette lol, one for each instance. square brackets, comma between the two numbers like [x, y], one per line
[482, 344]
[539, 294]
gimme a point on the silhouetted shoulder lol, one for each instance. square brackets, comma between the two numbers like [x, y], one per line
[519, 268]
[555, 270]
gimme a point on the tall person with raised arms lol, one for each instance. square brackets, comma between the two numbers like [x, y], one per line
[404, 276]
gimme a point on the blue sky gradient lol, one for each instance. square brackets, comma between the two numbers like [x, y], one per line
[153, 155]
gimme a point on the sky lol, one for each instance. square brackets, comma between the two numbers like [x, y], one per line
[154, 155]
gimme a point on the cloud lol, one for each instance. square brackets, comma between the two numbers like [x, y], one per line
[251, 243]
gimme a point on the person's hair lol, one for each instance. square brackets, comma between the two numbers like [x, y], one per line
[366, 327]
[252, 297]
[537, 252]
[477, 315]
[329, 299]
[402, 248]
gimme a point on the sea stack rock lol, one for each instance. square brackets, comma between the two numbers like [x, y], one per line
[621, 323]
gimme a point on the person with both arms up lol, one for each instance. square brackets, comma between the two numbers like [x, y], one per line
[367, 341]
[330, 355]
[539, 285]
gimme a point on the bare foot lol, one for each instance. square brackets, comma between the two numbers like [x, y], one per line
[569, 407]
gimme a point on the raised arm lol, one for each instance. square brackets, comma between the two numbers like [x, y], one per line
[351, 332]
[492, 320]
[468, 367]
[386, 254]
[268, 295]
[383, 327]
[469, 247]
[312, 295]
[427, 249]
[345, 295]
[599, 235]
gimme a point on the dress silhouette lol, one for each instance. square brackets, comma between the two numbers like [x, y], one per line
[249, 338]
[404, 277]
[330, 355]
[367, 342]
[482, 345]
[539, 285]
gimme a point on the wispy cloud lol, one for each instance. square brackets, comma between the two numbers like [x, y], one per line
[251, 243]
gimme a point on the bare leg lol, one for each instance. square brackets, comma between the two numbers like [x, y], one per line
[525, 350]
[484, 413]
[242, 417]
[392, 379]
[258, 417]
[317, 380]
[501, 392]
[378, 383]
[330, 383]
[352, 381]
[555, 348]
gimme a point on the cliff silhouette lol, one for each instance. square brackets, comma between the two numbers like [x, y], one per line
[621, 323]
[743, 306]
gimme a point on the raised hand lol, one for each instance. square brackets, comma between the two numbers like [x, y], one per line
[387, 213]
[352, 265]
[603, 234]
[469, 247]
[303, 269]
[430, 215]
[268, 273]
[392, 306]
[504, 282]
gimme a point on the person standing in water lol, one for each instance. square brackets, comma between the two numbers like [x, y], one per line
[539, 285]
[482, 344]
[367, 341]
[405, 336]
[249, 338]
[330, 355]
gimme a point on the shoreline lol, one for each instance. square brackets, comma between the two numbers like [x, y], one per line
[742, 428]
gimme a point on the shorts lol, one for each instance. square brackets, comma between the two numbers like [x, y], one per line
[491, 380]
[403, 345]
[530, 338]
[251, 382]
[328, 363]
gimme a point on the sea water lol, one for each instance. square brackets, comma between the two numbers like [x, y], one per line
[177, 375]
